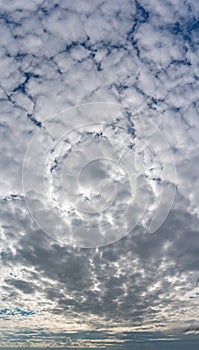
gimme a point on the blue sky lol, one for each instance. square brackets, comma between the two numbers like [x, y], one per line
[99, 181]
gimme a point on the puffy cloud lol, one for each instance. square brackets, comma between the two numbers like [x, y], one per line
[144, 56]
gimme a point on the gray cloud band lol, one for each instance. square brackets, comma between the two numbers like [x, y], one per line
[94, 172]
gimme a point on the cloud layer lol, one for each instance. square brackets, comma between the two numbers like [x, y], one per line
[142, 55]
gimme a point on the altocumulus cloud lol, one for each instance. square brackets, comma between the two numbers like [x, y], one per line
[143, 288]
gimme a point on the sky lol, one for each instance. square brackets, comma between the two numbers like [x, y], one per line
[99, 180]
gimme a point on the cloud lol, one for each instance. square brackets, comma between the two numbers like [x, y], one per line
[144, 56]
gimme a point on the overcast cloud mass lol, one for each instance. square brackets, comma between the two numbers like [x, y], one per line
[82, 287]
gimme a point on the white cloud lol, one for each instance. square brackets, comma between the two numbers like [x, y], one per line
[143, 55]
